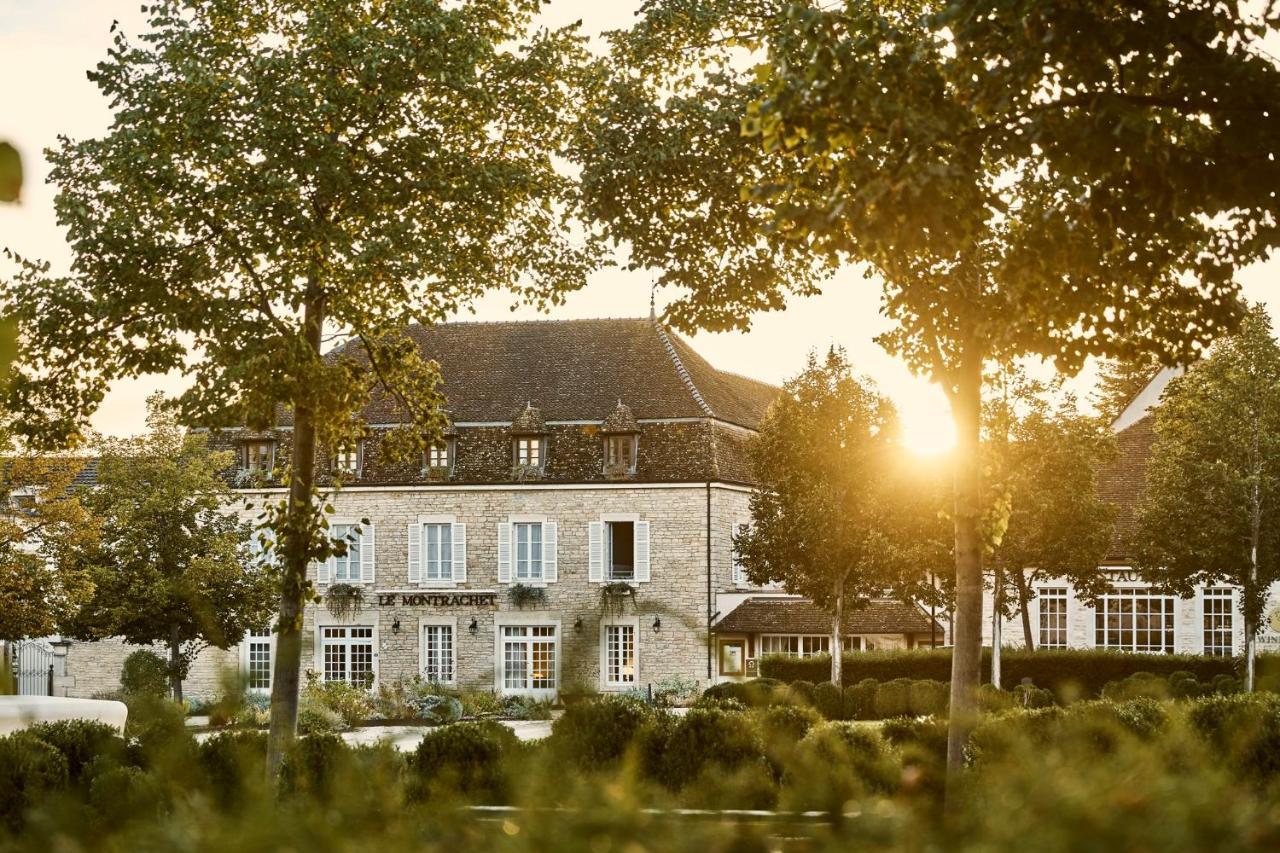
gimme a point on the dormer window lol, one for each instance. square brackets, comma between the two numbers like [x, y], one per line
[530, 451]
[347, 460]
[259, 457]
[620, 454]
[439, 457]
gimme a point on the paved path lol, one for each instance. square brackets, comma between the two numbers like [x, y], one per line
[407, 738]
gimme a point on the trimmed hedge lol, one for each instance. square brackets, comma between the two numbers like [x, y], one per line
[1070, 673]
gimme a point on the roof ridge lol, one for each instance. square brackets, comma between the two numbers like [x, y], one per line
[681, 371]
[537, 320]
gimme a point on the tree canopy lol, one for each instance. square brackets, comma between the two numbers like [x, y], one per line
[174, 565]
[283, 174]
[1210, 513]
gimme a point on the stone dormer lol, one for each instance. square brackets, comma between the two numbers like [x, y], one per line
[528, 443]
[621, 436]
[620, 421]
[529, 421]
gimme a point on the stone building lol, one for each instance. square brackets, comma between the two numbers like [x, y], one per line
[573, 529]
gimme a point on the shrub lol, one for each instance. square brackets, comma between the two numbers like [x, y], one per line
[311, 765]
[525, 708]
[756, 693]
[800, 692]
[930, 733]
[465, 757]
[596, 734]
[786, 724]
[706, 737]
[829, 700]
[316, 718]
[1244, 729]
[477, 703]
[120, 793]
[893, 699]
[436, 710]
[145, 673]
[1068, 673]
[30, 770]
[228, 759]
[1142, 685]
[835, 763]
[927, 698]
[155, 726]
[351, 703]
[674, 691]
[80, 742]
[860, 700]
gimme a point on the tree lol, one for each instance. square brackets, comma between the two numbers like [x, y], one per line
[280, 174]
[42, 517]
[1120, 380]
[173, 566]
[1210, 513]
[830, 502]
[1027, 178]
[1046, 520]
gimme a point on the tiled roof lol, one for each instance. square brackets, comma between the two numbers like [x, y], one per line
[576, 370]
[1122, 482]
[775, 615]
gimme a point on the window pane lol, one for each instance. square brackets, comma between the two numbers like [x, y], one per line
[621, 550]
[620, 654]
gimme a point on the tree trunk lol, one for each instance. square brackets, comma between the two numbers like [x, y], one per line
[1024, 605]
[288, 663]
[966, 655]
[1251, 588]
[175, 664]
[997, 617]
[837, 652]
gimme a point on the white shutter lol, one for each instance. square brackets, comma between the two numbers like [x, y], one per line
[366, 554]
[595, 552]
[550, 571]
[642, 551]
[504, 553]
[415, 552]
[460, 553]
[323, 571]
[739, 574]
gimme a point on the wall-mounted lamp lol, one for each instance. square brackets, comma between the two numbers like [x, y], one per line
[474, 627]
[657, 624]
[577, 625]
[395, 627]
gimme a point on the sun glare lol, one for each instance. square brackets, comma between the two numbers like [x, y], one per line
[927, 429]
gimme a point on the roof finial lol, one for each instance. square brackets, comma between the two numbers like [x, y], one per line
[653, 289]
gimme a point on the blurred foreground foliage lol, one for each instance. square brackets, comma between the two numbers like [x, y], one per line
[1186, 774]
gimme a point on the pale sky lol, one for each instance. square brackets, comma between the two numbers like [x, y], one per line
[46, 47]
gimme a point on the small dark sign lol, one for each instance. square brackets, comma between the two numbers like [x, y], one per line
[751, 666]
[438, 599]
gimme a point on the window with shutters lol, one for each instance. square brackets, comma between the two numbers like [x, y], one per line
[740, 528]
[437, 552]
[619, 655]
[1218, 614]
[346, 568]
[258, 457]
[346, 652]
[528, 550]
[437, 653]
[1053, 618]
[620, 550]
[528, 658]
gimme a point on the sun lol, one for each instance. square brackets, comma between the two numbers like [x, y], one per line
[927, 428]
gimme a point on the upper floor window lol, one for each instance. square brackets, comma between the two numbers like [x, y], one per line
[618, 550]
[355, 565]
[258, 457]
[439, 457]
[741, 528]
[527, 551]
[530, 451]
[620, 454]
[347, 460]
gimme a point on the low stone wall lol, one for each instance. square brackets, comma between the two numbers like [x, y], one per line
[93, 668]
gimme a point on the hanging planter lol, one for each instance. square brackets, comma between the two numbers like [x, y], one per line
[613, 598]
[344, 600]
[522, 594]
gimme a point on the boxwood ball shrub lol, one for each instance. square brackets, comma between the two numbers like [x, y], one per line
[228, 759]
[81, 743]
[465, 757]
[893, 699]
[829, 700]
[596, 733]
[756, 693]
[860, 700]
[835, 763]
[1245, 730]
[926, 697]
[800, 692]
[145, 673]
[707, 737]
[311, 764]
[786, 724]
[30, 771]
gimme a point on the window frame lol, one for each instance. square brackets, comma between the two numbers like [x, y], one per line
[609, 576]
[1135, 594]
[349, 460]
[527, 444]
[528, 524]
[248, 457]
[607, 658]
[1056, 594]
[631, 442]
[1218, 594]
[424, 659]
[448, 448]
[444, 553]
[528, 625]
[347, 642]
[350, 558]
[258, 637]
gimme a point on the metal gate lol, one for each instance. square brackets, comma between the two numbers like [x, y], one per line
[33, 667]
